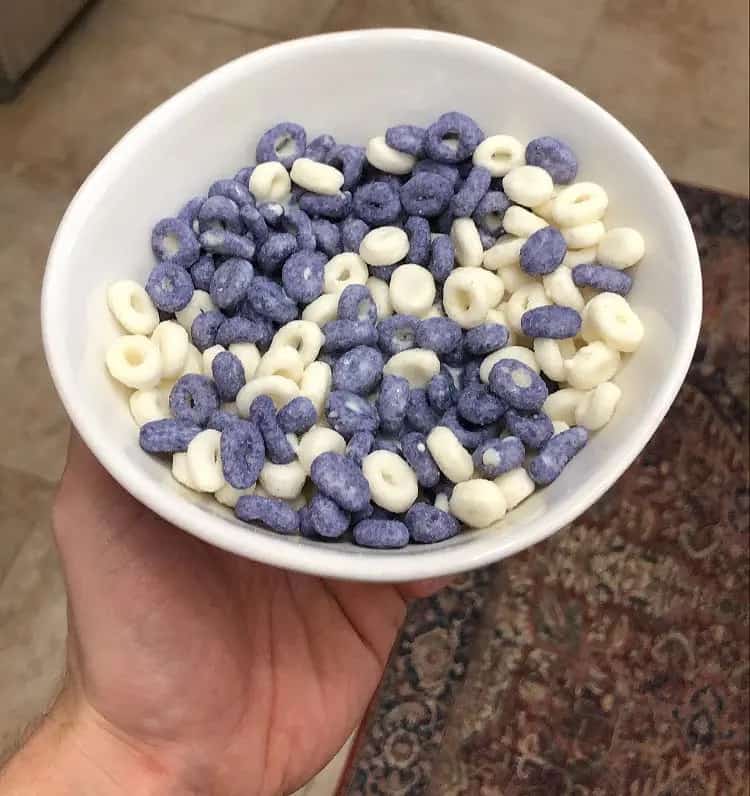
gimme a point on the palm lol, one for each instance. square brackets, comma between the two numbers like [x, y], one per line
[256, 673]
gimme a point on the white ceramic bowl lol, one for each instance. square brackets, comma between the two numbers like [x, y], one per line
[354, 85]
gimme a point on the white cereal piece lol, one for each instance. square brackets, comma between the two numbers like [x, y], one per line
[584, 236]
[316, 177]
[442, 502]
[325, 308]
[134, 361]
[621, 247]
[521, 222]
[499, 154]
[180, 471]
[467, 243]
[412, 289]
[498, 315]
[464, 297]
[528, 185]
[598, 406]
[609, 317]
[173, 343]
[552, 356]
[388, 159]
[517, 352]
[493, 284]
[208, 359]
[281, 360]
[199, 302]
[316, 441]
[580, 203]
[513, 277]
[477, 503]
[435, 311]
[562, 405]
[151, 404]
[574, 257]
[515, 486]
[453, 460]
[229, 495]
[527, 297]
[305, 337]
[132, 307]
[558, 426]
[416, 365]
[384, 246]
[393, 484]
[544, 210]
[562, 290]
[270, 182]
[281, 390]
[248, 355]
[283, 480]
[505, 252]
[193, 362]
[204, 461]
[342, 270]
[316, 384]
[381, 295]
[591, 365]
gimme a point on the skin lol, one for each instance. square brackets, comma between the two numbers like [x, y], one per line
[193, 671]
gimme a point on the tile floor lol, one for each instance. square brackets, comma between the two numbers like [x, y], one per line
[676, 72]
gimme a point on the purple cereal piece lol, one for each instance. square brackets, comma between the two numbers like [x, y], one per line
[602, 277]
[327, 519]
[298, 416]
[406, 138]
[274, 513]
[303, 275]
[518, 385]
[419, 458]
[220, 419]
[384, 272]
[426, 194]
[468, 435]
[440, 335]
[356, 304]
[420, 240]
[193, 398]
[319, 147]
[470, 373]
[305, 523]
[343, 335]
[243, 453]
[334, 207]
[456, 357]
[269, 300]
[441, 391]
[376, 203]
[244, 174]
[358, 370]
[555, 157]
[173, 241]
[488, 214]
[204, 328]
[475, 186]
[497, 456]
[202, 272]
[547, 465]
[558, 323]
[238, 192]
[169, 286]
[353, 230]
[485, 338]
[543, 251]
[244, 330]
[397, 333]
[381, 534]
[254, 223]
[272, 213]
[229, 244]
[449, 173]
[340, 479]
[284, 142]
[327, 237]
[277, 249]
[189, 213]
[419, 414]
[452, 138]
[231, 282]
[442, 258]
[350, 161]
[228, 374]
[297, 223]
[479, 406]
[219, 212]
[167, 436]
[263, 414]
[349, 413]
[393, 402]
[359, 446]
[533, 430]
[487, 240]
[428, 524]
[381, 443]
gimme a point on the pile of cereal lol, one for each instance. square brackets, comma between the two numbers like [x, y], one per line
[390, 341]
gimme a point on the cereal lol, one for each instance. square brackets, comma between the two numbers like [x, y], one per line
[281, 360]
[477, 405]
[316, 384]
[466, 242]
[335, 207]
[426, 194]
[384, 157]
[150, 404]
[598, 406]
[262, 413]
[349, 413]
[417, 366]
[428, 524]
[562, 405]
[353, 230]
[471, 193]
[316, 441]
[358, 370]
[584, 236]
[381, 534]
[608, 317]
[477, 503]
[515, 486]
[621, 247]
[551, 322]
[230, 283]
[231, 189]
[419, 414]
[169, 287]
[532, 429]
[274, 513]
[339, 478]
[420, 243]
[440, 335]
[516, 352]
[327, 237]
[562, 289]
[465, 297]
[359, 446]
[528, 185]
[199, 303]
[441, 391]
[452, 138]
[228, 374]
[356, 304]
[204, 461]
[242, 453]
[547, 465]
[485, 338]
[542, 252]
[555, 157]
[442, 258]
[298, 416]
[497, 456]
[406, 138]
[489, 211]
[518, 385]
[297, 223]
[316, 176]
[134, 361]
[173, 240]
[412, 289]
[283, 480]
[392, 403]
[504, 253]
[499, 154]
[393, 484]
[132, 307]
[167, 436]
[377, 203]
[202, 271]
[602, 277]
[239, 330]
[414, 450]
[226, 243]
[326, 518]
[580, 203]
[384, 246]
[350, 160]
[451, 457]
[284, 142]
[341, 336]
[551, 356]
[279, 389]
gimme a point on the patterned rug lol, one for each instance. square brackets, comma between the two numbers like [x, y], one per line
[613, 658]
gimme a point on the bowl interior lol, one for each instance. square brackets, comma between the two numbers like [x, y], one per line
[354, 85]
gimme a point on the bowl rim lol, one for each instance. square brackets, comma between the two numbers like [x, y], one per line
[332, 561]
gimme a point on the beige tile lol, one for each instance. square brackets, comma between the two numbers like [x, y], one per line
[32, 629]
